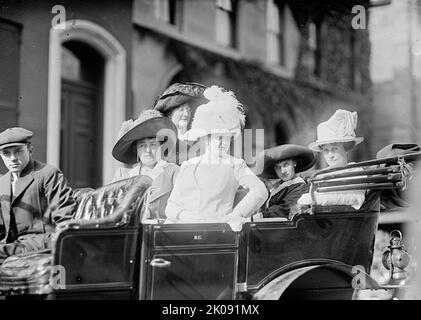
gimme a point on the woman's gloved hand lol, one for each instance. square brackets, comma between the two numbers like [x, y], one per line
[70, 224]
[235, 221]
[305, 199]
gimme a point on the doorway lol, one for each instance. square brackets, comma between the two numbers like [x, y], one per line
[81, 114]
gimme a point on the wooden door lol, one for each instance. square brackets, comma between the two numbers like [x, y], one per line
[80, 140]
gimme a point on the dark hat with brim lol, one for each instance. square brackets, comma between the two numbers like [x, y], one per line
[303, 156]
[155, 126]
[397, 149]
[180, 93]
[15, 137]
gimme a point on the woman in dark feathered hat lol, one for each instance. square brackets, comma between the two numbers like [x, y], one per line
[179, 102]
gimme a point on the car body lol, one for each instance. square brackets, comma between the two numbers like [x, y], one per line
[324, 253]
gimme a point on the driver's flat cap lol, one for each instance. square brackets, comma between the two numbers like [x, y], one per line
[15, 137]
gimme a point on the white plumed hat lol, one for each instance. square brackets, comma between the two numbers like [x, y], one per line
[223, 114]
[339, 128]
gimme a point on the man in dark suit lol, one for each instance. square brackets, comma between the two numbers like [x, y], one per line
[34, 196]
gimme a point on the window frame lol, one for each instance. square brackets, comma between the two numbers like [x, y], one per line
[275, 33]
[229, 13]
[169, 12]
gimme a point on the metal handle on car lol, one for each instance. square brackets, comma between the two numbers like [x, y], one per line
[160, 263]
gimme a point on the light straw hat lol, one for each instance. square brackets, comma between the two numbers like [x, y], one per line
[339, 128]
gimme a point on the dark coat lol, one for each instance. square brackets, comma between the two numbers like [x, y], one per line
[42, 198]
[281, 202]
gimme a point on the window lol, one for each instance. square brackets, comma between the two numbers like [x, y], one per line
[355, 74]
[70, 65]
[314, 46]
[169, 11]
[275, 33]
[225, 22]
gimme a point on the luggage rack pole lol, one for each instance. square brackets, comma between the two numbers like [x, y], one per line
[379, 171]
[391, 176]
[387, 185]
[363, 179]
[390, 161]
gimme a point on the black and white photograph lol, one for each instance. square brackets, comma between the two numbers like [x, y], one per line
[216, 152]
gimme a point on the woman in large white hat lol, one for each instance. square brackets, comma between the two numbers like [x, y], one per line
[143, 144]
[335, 138]
[283, 163]
[206, 186]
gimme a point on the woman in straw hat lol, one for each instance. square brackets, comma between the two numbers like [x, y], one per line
[143, 144]
[283, 163]
[206, 186]
[178, 103]
[335, 138]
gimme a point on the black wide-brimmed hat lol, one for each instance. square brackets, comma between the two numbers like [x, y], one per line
[180, 93]
[150, 123]
[303, 156]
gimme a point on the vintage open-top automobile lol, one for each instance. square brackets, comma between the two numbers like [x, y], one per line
[111, 252]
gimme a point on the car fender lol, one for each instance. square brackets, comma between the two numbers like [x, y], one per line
[274, 289]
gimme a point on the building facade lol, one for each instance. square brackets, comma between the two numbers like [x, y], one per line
[395, 70]
[291, 63]
[66, 76]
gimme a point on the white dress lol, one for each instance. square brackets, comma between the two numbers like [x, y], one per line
[205, 191]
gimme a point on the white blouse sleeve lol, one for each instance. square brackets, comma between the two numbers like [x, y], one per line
[256, 195]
